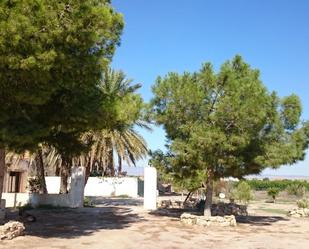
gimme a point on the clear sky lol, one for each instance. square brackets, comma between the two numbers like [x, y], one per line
[179, 35]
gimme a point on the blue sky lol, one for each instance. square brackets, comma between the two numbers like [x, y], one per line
[179, 35]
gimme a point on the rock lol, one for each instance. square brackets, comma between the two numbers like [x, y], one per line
[170, 204]
[206, 221]
[299, 212]
[222, 209]
[11, 230]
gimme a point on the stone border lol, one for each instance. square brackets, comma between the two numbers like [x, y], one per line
[299, 212]
[11, 230]
[205, 221]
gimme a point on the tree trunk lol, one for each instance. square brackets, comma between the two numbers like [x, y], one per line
[209, 192]
[2, 170]
[87, 171]
[64, 176]
[40, 171]
[119, 165]
[110, 157]
[187, 197]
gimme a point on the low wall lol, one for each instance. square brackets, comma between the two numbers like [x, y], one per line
[61, 200]
[96, 186]
[112, 186]
[15, 199]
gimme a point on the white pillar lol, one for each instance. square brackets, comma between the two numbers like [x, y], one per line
[76, 193]
[150, 188]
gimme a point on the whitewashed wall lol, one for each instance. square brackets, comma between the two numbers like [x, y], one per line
[96, 186]
[111, 186]
[15, 199]
[106, 187]
[52, 184]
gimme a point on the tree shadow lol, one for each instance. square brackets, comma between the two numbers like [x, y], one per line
[175, 213]
[116, 201]
[171, 212]
[71, 223]
[259, 220]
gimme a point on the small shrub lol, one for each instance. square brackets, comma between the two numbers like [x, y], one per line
[273, 193]
[304, 203]
[88, 202]
[34, 184]
[123, 196]
[297, 189]
[242, 192]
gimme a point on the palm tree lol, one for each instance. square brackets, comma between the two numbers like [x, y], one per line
[119, 139]
[45, 157]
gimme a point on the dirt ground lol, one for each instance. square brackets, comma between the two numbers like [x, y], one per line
[122, 223]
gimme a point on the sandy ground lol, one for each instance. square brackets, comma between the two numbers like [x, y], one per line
[119, 223]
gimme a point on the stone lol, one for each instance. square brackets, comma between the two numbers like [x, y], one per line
[299, 212]
[222, 209]
[11, 230]
[206, 221]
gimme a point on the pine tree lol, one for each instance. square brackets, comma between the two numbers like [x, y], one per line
[52, 54]
[227, 123]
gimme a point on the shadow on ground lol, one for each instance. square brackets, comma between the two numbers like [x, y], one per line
[171, 212]
[107, 202]
[250, 220]
[71, 223]
[259, 220]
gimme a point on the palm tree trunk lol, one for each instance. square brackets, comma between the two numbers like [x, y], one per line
[110, 156]
[87, 171]
[2, 170]
[119, 165]
[64, 177]
[40, 171]
[209, 192]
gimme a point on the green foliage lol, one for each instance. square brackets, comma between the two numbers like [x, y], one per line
[273, 192]
[297, 189]
[242, 192]
[88, 202]
[52, 56]
[177, 177]
[304, 203]
[34, 185]
[226, 122]
[281, 184]
[119, 137]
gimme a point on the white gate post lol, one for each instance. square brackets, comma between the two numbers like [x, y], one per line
[150, 188]
[76, 193]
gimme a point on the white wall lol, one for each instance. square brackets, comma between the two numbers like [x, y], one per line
[96, 186]
[52, 184]
[106, 187]
[111, 186]
[15, 199]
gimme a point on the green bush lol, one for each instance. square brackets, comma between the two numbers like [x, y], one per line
[273, 193]
[296, 189]
[265, 184]
[304, 203]
[88, 202]
[242, 192]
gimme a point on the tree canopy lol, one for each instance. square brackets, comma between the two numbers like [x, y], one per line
[227, 123]
[52, 54]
